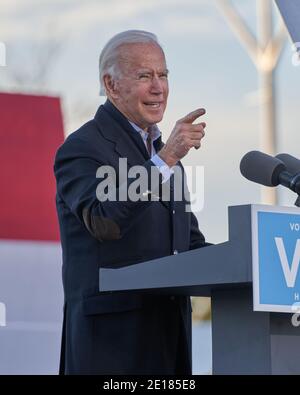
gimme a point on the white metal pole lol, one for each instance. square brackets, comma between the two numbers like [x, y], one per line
[267, 95]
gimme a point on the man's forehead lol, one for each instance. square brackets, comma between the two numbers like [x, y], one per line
[144, 50]
[140, 45]
[142, 56]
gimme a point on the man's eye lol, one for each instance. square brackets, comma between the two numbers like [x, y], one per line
[144, 76]
[164, 76]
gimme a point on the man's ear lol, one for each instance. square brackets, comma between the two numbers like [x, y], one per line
[110, 86]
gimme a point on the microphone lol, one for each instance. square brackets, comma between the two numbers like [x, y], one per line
[269, 171]
[292, 164]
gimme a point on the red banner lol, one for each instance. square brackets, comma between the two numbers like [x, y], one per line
[31, 129]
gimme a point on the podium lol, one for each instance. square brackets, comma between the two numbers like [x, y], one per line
[244, 341]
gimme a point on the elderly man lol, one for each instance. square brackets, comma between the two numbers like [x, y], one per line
[124, 333]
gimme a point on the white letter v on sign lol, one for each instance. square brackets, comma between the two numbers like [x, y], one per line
[290, 273]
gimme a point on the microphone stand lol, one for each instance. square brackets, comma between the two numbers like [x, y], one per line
[295, 183]
[291, 182]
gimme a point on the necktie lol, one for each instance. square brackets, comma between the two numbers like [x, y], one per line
[149, 144]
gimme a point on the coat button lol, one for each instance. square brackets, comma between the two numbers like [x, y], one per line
[175, 252]
[173, 212]
[172, 298]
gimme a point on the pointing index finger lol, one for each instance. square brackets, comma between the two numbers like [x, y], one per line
[192, 116]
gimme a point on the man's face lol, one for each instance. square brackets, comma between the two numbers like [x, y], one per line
[142, 90]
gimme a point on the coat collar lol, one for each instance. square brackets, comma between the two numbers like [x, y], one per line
[116, 128]
[129, 144]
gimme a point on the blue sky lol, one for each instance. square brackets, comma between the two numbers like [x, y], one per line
[208, 68]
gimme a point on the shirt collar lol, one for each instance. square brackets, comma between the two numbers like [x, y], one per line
[153, 130]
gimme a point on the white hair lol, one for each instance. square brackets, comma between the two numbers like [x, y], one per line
[108, 61]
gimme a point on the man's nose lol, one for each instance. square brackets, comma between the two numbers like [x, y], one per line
[156, 85]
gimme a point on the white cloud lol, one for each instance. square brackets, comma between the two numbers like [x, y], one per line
[90, 13]
[207, 25]
[20, 17]
[27, 18]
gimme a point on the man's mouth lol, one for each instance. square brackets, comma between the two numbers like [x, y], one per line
[153, 104]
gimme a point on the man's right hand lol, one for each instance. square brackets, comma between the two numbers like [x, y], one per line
[184, 136]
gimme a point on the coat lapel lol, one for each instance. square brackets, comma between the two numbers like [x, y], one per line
[128, 143]
[115, 127]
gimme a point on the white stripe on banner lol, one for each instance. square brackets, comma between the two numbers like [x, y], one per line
[31, 291]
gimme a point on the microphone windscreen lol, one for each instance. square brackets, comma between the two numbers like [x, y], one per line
[261, 168]
[292, 164]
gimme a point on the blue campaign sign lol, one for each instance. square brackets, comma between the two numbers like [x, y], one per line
[276, 258]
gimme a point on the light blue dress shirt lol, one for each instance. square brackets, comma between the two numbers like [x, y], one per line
[155, 133]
